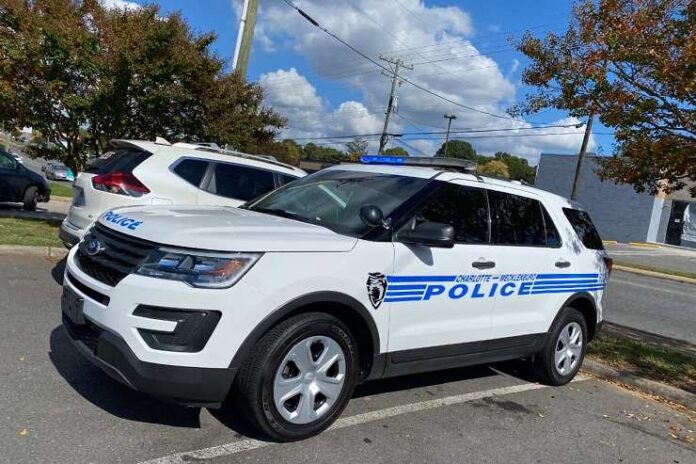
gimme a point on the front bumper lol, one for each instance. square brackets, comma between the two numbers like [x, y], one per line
[192, 386]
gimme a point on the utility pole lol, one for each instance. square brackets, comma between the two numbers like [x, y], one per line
[581, 157]
[245, 36]
[449, 125]
[398, 63]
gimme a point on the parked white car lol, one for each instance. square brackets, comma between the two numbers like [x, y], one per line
[150, 173]
[357, 272]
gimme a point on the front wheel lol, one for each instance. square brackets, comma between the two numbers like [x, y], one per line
[560, 359]
[299, 377]
[31, 198]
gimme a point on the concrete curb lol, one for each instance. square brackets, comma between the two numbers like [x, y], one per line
[48, 252]
[677, 395]
[659, 275]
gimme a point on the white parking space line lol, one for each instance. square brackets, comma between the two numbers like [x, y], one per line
[650, 287]
[251, 444]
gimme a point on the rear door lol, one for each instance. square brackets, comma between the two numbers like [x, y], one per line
[231, 184]
[536, 271]
[437, 295]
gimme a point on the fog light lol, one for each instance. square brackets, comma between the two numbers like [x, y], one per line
[192, 331]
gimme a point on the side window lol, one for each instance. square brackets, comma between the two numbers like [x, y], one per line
[191, 170]
[583, 226]
[553, 238]
[464, 208]
[240, 182]
[6, 161]
[284, 179]
[516, 220]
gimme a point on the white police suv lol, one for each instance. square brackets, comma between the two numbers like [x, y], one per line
[357, 272]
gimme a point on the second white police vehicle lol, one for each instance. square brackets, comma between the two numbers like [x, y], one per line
[357, 272]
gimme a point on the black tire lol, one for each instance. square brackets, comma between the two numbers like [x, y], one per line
[31, 198]
[544, 365]
[256, 377]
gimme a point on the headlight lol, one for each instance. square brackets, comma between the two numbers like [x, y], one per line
[199, 269]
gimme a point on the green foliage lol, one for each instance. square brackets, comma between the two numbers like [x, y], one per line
[632, 64]
[356, 149]
[458, 149]
[82, 75]
[518, 168]
[395, 151]
[319, 153]
[494, 168]
[287, 151]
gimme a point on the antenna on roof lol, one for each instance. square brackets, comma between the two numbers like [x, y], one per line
[161, 141]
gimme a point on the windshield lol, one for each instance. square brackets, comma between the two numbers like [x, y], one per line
[333, 198]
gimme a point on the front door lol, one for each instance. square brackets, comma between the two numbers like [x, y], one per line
[10, 178]
[437, 296]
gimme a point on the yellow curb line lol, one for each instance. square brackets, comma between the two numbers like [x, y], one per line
[610, 242]
[645, 245]
[659, 275]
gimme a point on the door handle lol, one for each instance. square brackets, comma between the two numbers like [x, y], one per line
[483, 264]
[562, 263]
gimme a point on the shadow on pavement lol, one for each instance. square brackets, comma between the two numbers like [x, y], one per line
[58, 271]
[107, 394]
[15, 210]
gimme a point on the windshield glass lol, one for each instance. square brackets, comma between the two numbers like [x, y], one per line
[333, 198]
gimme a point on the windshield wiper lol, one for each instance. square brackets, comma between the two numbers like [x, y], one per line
[282, 213]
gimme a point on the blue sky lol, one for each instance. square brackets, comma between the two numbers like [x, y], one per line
[460, 48]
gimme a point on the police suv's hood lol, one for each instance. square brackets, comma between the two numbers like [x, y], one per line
[223, 229]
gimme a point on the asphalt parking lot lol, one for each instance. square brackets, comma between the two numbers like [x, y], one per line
[55, 407]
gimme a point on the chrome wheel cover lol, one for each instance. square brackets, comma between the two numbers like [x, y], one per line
[568, 348]
[309, 380]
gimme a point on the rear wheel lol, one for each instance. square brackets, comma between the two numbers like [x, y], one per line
[31, 198]
[299, 377]
[561, 358]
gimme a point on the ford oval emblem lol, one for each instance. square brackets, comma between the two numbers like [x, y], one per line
[94, 247]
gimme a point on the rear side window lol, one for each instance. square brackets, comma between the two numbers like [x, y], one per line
[516, 220]
[284, 179]
[583, 226]
[191, 170]
[240, 182]
[464, 208]
[119, 160]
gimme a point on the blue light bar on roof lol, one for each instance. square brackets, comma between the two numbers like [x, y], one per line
[434, 162]
[376, 159]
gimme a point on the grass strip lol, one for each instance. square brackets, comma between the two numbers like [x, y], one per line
[671, 368]
[28, 232]
[61, 189]
[656, 269]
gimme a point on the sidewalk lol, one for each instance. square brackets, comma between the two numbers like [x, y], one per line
[659, 258]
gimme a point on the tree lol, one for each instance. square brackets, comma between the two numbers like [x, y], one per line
[518, 168]
[395, 151]
[318, 153]
[287, 151]
[631, 62]
[494, 168]
[356, 149]
[82, 75]
[458, 149]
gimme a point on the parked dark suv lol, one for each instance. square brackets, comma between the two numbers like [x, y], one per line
[19, 184]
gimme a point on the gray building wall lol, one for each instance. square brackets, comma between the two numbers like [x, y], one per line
[618, 212]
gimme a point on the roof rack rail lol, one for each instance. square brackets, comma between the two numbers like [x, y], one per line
[448, 164]
[261, 158]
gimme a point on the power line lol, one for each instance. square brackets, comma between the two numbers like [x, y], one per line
[404, 79]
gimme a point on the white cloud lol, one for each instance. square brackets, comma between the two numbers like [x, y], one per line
[120, 4]
[434, 39]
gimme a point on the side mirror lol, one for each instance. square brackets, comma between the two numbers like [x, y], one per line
[372, 216]
[432, 234]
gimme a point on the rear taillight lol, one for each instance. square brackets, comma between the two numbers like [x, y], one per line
[121, 183]
[609, 263]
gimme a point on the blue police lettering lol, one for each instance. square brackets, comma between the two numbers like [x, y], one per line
[525, 288]
[433, 290]
[458, 291]
[476, 293]
[507, 289]
[123, 221]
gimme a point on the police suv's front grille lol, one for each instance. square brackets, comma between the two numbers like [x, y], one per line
[119, 256]
[87, 334]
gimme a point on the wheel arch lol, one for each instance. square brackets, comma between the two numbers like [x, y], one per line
[585, 303]
[344, 307]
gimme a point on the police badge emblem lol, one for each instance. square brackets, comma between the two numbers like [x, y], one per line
[376, 288]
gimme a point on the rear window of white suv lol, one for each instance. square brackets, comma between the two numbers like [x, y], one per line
[583, 226]
[119, 160]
